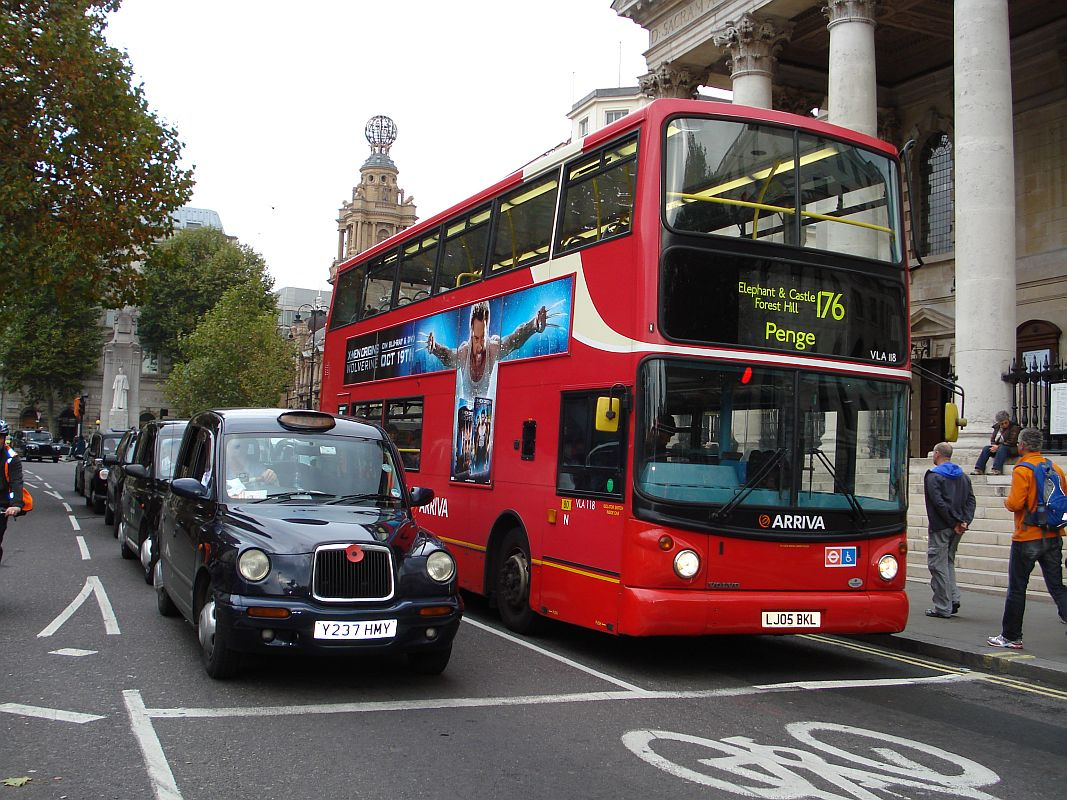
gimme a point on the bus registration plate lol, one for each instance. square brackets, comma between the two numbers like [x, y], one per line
[366, 629]
[792, 619]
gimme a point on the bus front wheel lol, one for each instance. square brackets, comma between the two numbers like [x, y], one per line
[513, 584]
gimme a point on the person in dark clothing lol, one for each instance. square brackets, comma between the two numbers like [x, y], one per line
[950, 510]
[10, 484]
[1003, 444]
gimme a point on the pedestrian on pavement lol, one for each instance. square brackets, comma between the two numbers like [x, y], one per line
[1030, 544]
[10, 484]
[950, 511]
[1003, 444]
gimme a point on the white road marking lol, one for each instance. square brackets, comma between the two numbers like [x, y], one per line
[83, 548]
[48, 485]
[537, 699]
[164, 786]
[556, 656]
[57, 714]
[74, 522]
[92, 586]
[55, 494]
[67, 508]
[71, 651]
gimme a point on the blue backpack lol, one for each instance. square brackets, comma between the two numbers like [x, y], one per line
[1050, 514]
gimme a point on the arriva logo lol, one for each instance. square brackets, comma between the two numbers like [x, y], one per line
[438, 507]
[796, 522]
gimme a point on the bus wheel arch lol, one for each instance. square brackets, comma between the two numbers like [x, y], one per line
[510, 577]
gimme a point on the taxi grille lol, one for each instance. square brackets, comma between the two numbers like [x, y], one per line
[337, 578]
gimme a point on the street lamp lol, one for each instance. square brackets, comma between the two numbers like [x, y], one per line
[314, 311]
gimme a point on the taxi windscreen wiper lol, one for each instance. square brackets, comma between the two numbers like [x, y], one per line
[352, 498]
[295, 493]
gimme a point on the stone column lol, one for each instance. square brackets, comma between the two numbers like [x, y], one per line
[673, 80]
[752, 44]
[985, 211]
[852, 93]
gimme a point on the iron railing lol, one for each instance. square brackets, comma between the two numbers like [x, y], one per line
[1032, 405]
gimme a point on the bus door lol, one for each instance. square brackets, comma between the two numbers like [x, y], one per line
[582, 547]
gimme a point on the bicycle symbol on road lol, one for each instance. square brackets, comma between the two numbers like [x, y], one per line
[885, 764]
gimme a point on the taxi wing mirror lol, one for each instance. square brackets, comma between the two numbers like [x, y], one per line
[421, 495]
[189, 488]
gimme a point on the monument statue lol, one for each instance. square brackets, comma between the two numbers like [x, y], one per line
[120, 387]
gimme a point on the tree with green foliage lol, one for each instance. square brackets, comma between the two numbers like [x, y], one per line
[234, 357]
[46, 357]
[185, 276]
[89, 176]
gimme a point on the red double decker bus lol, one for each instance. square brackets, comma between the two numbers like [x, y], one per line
[658, 379]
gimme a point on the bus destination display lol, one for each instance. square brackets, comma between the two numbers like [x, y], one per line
[777, 305]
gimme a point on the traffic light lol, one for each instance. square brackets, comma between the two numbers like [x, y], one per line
[77, 408]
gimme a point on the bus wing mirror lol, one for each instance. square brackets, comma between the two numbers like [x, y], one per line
[607, 414]
[953, 422]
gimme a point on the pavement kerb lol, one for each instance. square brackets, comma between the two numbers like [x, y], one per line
[1016, 663]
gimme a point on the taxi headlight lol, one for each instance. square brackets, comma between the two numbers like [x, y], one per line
[686, 564]
[103, 473]
[440, 566]
[253, 565]
[888, 567]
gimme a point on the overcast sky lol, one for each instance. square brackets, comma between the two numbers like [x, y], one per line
[270, 100]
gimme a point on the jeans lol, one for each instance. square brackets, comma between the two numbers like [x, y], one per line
[941, 559]
[1003, 454]
[1048, 553]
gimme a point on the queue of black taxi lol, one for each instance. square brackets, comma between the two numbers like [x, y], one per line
[292, 531]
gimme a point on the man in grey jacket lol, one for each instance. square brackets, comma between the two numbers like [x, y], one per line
[950, 510]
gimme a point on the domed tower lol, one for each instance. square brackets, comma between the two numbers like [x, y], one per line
[378, 208]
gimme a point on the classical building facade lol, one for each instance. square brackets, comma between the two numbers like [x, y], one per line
[981, 87]
[378, 207]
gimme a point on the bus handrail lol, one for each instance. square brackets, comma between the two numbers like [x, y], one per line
[782, 210]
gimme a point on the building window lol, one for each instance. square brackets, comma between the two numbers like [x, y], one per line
[583, 127]
[611, 116]
[937, 196]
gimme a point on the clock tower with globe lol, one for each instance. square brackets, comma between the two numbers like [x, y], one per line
[378, 207]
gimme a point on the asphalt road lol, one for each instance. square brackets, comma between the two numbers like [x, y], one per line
[100, 697]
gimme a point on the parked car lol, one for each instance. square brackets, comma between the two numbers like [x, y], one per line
[146, 485]
[35, 446]
[116, 464]
[90, 473]
[293, 531]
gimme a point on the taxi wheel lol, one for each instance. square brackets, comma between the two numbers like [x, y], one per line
[124, 547]
[147, 559]
[219, 660]
[513, 584]
[432, 662]
[164, 604]
[109, 515]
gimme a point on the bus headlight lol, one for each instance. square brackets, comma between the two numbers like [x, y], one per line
[440, 566]
[253, 565]
[686, 564]
[888, 567]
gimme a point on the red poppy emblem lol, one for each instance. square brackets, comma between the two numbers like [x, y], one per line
[354, 553]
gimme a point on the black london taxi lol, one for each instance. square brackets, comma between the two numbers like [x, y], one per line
[90, 473]
[35, 446]
[147, 484]
[116, 464]
[293, 531]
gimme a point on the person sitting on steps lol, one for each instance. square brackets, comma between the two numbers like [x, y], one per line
[1003, 444]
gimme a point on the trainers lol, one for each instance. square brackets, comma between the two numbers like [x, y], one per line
[978, 472]
[933, 612]
[1000, 641]
[995, 472]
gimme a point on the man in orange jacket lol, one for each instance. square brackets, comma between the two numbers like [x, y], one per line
[1029, 545]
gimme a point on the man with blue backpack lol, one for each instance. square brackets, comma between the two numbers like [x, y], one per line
[1040, 507]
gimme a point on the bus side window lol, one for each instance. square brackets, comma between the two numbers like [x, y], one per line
[349, 294]
[598, 201]
[378, 296]
[522, 225]
[416, 270]
[403, 423]
[464, 251]
[590, 461]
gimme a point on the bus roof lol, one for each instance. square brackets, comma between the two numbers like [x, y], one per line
[653, 112]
